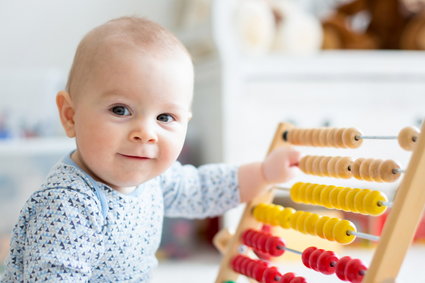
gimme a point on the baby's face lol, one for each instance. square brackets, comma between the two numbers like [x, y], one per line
[131, 117]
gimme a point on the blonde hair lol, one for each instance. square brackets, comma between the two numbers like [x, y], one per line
[149, 37]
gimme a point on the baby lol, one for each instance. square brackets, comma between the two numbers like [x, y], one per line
[98, 216]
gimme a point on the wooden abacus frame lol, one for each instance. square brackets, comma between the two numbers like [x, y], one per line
[396, 237]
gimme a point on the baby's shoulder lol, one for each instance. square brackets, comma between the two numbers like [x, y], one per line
[66, 182]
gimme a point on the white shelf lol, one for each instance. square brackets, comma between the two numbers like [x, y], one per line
[337, 64]
[33, 146]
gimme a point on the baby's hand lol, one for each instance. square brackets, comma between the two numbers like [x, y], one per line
[279, 166]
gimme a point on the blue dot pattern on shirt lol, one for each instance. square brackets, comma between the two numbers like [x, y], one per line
[62, 234]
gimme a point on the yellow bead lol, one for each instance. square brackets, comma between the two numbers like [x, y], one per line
[275, 212]
[308, 193]
[372, 201]
[285, 217]
[341, 232]
[263, 210]
[269, 214]
[359, 200]
[319, 226]
[334, 197]
[257, 212]
[294, 219]
[301, 227]
[328, 228]
[341, 199]
[325, 198]
[350, 200]
[317, 191]
[295, 191]
[301, 192]
[310, 223]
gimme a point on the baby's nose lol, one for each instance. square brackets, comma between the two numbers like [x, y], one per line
[143, 134]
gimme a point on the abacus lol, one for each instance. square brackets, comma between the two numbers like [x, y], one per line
[399, 229]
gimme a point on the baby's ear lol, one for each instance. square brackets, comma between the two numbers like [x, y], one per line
[66, 112]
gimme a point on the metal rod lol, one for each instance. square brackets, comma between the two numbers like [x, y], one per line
[376, 137]
[293, 251]
[398, 170]
[364, 236]
[385, 203]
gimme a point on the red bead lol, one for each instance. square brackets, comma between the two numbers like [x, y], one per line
[271, 275]
[266, 229]
[326, 263]
[244, 265]
[261, 242]
[340, 267]
[287, 277]
[298, 279]
[250, 268]
[246, 237]
[306, 256]
[314, 257]
[272, 246]
[258, 271]
[235, 263]
[254, 240]
[355, 271]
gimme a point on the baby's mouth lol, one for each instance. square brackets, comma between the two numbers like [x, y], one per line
[135, 157]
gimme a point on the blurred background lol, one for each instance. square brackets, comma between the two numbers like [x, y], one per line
[313, 63]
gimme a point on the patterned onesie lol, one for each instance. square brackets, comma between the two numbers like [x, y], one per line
[75, 229]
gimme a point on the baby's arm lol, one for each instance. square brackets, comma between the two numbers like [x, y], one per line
[278, 167]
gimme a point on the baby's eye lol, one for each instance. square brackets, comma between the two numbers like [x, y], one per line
[165, 118]
[120, 110]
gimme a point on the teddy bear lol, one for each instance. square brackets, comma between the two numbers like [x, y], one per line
[391, 24]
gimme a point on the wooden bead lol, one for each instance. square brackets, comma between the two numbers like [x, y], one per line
[408, 137]
[315, 169]
[349, 138]
[323, 166]
[364, 169]
[305, 164]
[343, 167]
[308, 136]
[386, 171]
[374, 170]
[331, 138]
[332, 172]
[315, 137]
[322, 137]
[293, 136]
[355, 168]
[290, 135]
[339, 138]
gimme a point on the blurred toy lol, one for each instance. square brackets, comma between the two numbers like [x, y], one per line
[281, 26]
[254, 27]
[297, 32]
[390, 25]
